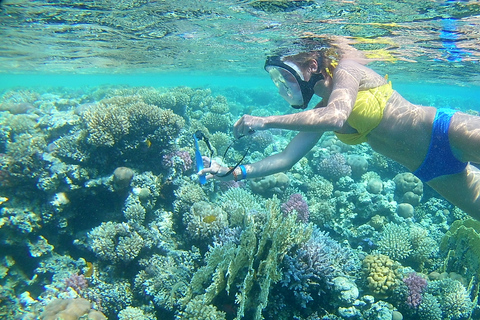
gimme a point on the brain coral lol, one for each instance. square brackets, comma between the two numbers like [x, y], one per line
[408, 188]
[380, 271]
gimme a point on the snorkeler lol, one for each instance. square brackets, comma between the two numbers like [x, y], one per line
[359, 105]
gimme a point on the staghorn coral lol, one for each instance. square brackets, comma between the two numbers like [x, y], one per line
[429, 309]
[395, 242]
[296, 204]
[106, 125]
[416, 285]
[130, 120]
[380, 272]
[423, 245]
[134, 213]
[217, 122]
[178, 161]
[130, 313]
[204, 220]
[453, 297]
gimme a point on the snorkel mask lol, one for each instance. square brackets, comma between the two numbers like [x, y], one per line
[290, 83]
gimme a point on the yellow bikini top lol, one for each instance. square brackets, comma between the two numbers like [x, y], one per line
[367, 113]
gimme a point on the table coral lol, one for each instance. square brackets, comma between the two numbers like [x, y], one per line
[380, 272]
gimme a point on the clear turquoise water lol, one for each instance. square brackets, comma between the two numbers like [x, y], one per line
[56, 180]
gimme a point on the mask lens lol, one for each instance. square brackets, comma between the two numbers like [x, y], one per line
[287, 84]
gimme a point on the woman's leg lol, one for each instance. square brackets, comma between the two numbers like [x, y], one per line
[464, 136]
[461, 189]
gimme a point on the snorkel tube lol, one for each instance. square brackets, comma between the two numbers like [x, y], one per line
[198, 160]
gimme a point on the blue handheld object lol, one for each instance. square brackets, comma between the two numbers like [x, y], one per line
[199, 160]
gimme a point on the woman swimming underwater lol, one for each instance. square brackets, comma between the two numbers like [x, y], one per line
[359, 105]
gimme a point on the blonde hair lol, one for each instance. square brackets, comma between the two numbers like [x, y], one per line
[327, 59]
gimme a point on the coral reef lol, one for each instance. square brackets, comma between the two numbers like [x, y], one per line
[105, 175]
[395, 242]
[408, 188]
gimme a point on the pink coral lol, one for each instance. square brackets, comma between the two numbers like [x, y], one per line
[178, 160]
[299, 205]
[76, 282]
[416, 284]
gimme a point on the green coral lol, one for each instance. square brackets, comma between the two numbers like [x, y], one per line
[462, 244]
[254, 262]
[165, 278]
[196, 309]
[239, 203]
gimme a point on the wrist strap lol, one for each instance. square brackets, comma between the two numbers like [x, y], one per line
[244, 171]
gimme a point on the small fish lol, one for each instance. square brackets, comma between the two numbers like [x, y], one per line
[3, 200]
[209, 219]
[147, 143]
[90, 268]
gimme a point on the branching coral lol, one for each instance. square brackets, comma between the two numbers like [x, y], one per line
[129, 118]
[395, 241]
[256, 260]
[311, 269]
[165, 278]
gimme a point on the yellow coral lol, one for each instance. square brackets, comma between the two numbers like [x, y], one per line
[380, 271]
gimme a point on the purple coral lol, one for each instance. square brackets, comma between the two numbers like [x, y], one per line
[299, 205]
[310, 270]
[334, 167]
[76, 282]
[416, 284]
[178, 160]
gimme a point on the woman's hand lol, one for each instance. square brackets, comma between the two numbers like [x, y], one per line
[248, 125]
[215, 170]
